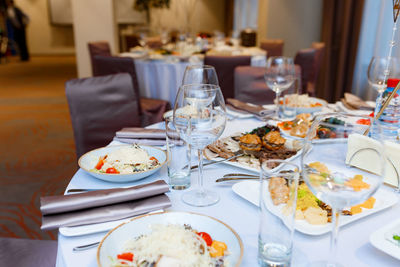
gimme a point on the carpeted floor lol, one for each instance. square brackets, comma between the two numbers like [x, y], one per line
[37, 153]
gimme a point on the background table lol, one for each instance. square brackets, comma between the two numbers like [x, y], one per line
[354, 248]
[161, 78]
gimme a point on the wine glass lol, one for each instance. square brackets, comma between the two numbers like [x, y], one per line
[200, 74]
[200, 117]
[380, 69]
[143, 39]
[279, 76]
[341, 165]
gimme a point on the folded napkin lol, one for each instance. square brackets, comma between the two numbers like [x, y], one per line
[354, 102]
[249, 108]
[144, 136]
[103, 205]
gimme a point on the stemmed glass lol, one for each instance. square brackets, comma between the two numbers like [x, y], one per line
[200, 117]
[200, 74]
[143, 39]
[341, 165]
[380, 69]
[279, 76]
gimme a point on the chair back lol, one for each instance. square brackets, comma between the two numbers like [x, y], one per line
[27, 252]
[101, 48]
[250, 86]
[310, 61]
[225, 67]
[274, 48]
[100, 106]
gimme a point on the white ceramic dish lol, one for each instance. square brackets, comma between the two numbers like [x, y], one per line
[112, 244]
[88, 161]
[379, 239]
[311, 109]
[249, 190]
[238, 115]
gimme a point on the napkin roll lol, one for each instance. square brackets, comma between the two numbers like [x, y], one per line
[106, 213]
[103, 205]
[144, 136]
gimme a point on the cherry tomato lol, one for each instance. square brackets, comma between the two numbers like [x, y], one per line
[112, 170]
[207, 238]
[125, 256]
[100, 163]
[364, 121]
[371, 115]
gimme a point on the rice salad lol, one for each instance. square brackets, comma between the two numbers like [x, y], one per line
[126, 160]
[172, 245]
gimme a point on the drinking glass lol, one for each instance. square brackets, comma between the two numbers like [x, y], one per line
[342, 166]
[279, 76]
[380, 69]
[275, 236]
[143, 39]
[200, 117]
[200, 74]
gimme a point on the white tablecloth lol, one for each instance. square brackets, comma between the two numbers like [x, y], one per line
[354, 248]
[161, 79]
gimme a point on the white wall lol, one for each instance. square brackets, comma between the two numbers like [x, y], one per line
[43, 38]
[93, 21]
[298, 23]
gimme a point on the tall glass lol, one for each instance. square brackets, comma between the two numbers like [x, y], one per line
[200, 74]
[279, 76]
[200, 117]
[341, 165]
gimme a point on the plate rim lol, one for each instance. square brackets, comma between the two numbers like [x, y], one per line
[378, 235]
[116, 146]
[319, 232]
[165, 212]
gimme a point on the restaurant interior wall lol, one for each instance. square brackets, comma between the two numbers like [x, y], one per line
[43, 37]
[296, 22]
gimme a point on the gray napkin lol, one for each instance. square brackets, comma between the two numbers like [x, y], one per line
[102, 205]
[105, 213]
[144, 136]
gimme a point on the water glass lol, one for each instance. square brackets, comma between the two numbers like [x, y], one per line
[278, 195]
[178, 157]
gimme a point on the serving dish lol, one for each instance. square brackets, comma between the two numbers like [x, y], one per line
[249, 190]
[380, 239]
[88, 161]
[113, 243]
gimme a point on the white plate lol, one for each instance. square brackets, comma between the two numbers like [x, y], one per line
[88, 161]
[249, 190]
[379, 239]
[112, 244]
[311, 110]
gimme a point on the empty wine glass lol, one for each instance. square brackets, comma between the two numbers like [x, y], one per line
[143, 39]
[380, 69]
[341, 166]
[200, 74]
[200, 117]
[279, 76]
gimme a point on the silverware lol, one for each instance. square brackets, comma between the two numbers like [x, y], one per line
[240, 174]
[219, 161]
[224, 179]
[85, 247]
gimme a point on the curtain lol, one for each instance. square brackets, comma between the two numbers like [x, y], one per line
[340, 32]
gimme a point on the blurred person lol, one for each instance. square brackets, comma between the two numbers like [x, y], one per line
[18, 20]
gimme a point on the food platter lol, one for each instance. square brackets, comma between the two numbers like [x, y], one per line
[249, 190]
[380, 239]
[113, 243]
[306, 104]
[257, 144]
[88, 161]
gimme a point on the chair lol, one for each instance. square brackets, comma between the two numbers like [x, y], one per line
[250, 85]
[100, 106]
[101, 48]
[225, 67]
[274, 48]
[27, 252]
[310, 60]
[151, 110]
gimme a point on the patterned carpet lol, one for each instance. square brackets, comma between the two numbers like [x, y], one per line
[37, 148]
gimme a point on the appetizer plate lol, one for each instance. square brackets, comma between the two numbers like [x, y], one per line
[249, 190]
[311, 110]
[112, 244]
[88, 161]
[380, 239]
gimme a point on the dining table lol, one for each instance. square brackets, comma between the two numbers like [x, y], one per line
[160, 77]
[354, 247]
